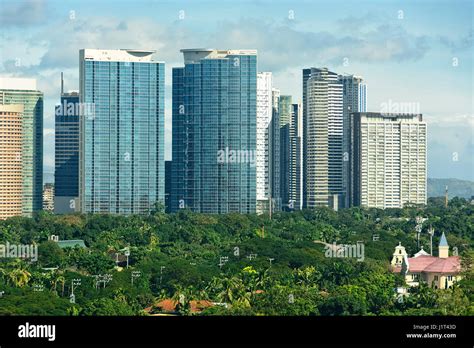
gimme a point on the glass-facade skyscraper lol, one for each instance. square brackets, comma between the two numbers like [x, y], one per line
[284, 108]
[121, 157]
[21, 91]
[214, 131]
[354, 93]
[66, 168]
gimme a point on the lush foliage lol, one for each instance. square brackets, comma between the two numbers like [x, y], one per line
[273, 267]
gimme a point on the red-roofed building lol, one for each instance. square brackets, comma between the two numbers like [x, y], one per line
[169, 306]
[440, 272]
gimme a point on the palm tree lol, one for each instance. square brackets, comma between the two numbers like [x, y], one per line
[62, 281]
[182, 297]
[120, 296]
[19, 277]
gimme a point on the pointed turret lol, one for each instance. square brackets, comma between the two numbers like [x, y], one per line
[443, 248]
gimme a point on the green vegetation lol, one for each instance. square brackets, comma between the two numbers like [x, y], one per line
[249, 264]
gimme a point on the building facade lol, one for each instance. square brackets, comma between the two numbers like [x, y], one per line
[295, 177]
[354, 93]
[285, 102]
[438, 272]
[268, 139]
[167, 186]
[323, 138]
[214, 131]
[20, 91]
[121, 153]
[388, 160]
[11, 167]
[66, 146]
[48, 197]
[275, 152]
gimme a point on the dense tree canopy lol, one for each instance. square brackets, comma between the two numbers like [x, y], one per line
[244, 264]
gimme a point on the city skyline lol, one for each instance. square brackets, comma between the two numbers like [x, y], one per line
[395, 49]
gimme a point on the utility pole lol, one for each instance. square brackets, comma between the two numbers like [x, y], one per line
[270, 259]
[431, 233]
[418, 228]
[127, 254]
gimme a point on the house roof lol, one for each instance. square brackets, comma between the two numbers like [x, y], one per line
[420, 253]
[71, 243]
[169, 305]
[449, 265]
[432, 264]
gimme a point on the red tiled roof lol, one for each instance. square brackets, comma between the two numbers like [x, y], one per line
[432, 264]
[419, 264]
[169, 305]
[451, 264]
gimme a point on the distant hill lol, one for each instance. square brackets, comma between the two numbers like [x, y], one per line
[456, 187]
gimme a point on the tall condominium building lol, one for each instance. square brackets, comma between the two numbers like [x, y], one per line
[48, 197]
[214, 131]
[66, 173]
[274, 154]
[354, 93]
[388, 160]
[284, 109]
[167, 186]
[264, 145]
[11, 167]
[323, 135]
[121, 152]
[284, 106]
[20, 91]
[295, 168]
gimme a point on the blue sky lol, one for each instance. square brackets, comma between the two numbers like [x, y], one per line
[407, 51]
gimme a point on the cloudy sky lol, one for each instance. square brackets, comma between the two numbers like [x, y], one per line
[417, 52]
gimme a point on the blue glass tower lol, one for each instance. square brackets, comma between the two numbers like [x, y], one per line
[66, 173]
[122, 167]
[214, 131]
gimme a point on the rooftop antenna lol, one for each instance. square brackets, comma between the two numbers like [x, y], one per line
[62, 84]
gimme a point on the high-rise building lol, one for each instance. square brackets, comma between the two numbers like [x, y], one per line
[48, 197]
[66, 173]
[354, 93]
[388, 160]
[284, 106]
[167, 186]
[20, 91]
[214, 131]
[274, 153]
[121, 153]
[295, 177]
[264, 146]
[11, 167]
[323, 135]
[291, 129]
